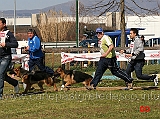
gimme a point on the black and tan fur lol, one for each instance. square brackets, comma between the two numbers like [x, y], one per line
[71, 77]
[38, 77]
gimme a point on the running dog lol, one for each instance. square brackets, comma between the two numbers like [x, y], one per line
[36, 77]
[40, 78]
[71, 77]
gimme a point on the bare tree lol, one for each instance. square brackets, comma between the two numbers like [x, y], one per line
[135, 7]
[54, 26]
[82, 10]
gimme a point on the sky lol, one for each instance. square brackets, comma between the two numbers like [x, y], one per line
[28, 4]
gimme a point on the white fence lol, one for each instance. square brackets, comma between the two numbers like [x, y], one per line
[58, 44]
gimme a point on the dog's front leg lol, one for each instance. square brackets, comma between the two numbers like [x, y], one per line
[67, 84]
[55, 87]
[63, 84]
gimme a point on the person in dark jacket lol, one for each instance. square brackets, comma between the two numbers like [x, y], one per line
[7, 41]
[35, 52]
[142, 38]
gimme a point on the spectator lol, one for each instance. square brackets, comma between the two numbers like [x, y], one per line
[7, 42]
[85, 36]
[107, 61]
[143, 41]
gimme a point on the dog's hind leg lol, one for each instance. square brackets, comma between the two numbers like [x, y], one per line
[84, 83]
[55, 87]
[87, 82]
[40, 84]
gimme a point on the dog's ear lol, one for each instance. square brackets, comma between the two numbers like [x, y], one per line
[62, 68]
[25, 78]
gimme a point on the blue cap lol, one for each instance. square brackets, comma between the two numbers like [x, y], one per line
[99, 30]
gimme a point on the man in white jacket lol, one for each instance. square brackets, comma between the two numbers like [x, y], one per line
[136, 55]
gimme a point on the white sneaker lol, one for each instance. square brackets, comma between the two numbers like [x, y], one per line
[1, 96]
[16, 89]
[156, 81]
[24, 86]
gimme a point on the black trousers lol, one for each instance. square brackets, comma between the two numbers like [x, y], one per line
[41, 66]
[137, 65]
[111, 64]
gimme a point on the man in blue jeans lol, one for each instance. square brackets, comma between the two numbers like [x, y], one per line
[7, 41]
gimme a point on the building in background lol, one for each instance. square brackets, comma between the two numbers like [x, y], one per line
[150, 23]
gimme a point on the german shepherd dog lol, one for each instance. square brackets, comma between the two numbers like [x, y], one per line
[71, 77]
[37, 77]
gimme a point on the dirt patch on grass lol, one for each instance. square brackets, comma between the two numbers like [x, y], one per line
[114, 88]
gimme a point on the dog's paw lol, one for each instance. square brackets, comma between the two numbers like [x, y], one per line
[24, 92]
[55, 89]
[67, 88]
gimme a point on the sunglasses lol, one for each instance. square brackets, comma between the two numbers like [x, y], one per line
[98, 32]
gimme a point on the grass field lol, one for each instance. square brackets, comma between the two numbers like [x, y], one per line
[96, 104]
[84, 104]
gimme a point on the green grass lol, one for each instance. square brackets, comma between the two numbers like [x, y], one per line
[71, 104]
[84, 104]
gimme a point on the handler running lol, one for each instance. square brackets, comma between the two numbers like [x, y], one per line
[108, 61]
